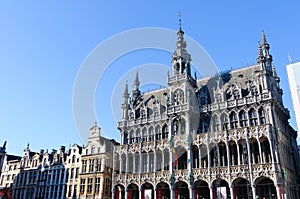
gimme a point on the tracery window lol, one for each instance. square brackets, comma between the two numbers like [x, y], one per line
[233, 120]
[252, 117]
[262, 116]
[243, 118]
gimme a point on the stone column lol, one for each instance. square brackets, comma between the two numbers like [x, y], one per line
[278, 190]
[148, 162]
[200, 158]
[162, 165]
[191, 190]
[127, 163]
[121, 163]
[211, 191]
[133, 163]
[141, 158]
[228, 156]
[172, 192]
[140, 192]
[238, 152]
[259, 149]
[253, 191]
[126, 192]
[231, 191]
[155, 161]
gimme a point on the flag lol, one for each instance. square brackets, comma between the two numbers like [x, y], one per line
[175, 156]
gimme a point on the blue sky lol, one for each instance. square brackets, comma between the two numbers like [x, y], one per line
[44, 43]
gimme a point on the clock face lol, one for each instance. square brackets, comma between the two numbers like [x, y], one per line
[178, 44]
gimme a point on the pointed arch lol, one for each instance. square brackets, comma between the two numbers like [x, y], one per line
[233, 120]
[243, 118]
[182, 126]
[157, 132]
[151, 133]
[165, 131]
[224, 121]
[215, 123]
[262, 116]
[144, 135]
[252, 117]
[137, 135]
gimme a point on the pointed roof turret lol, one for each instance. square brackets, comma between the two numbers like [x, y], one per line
[266, 48]
[263, 38]
[126, 94]
[260, 57]
[136, 81]
[181, 58]
[136, 90]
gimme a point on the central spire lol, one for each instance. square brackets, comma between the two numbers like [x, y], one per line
[136, 90]
[181, 58]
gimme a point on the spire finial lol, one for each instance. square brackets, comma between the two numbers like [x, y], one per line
[260, 56]
[263, 38]
[137, 76]
[136, 85]
[179, 19]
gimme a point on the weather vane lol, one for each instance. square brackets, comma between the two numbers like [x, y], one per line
[179, 16]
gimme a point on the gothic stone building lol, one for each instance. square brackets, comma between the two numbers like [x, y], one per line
[226, 136]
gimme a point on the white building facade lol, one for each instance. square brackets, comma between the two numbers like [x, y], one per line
[225, 136]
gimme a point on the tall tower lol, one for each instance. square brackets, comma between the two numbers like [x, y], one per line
[264, 57]
[181, 58]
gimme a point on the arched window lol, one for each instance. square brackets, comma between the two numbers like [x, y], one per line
[137, 136]
[236, 93]
[176, 127]
[73, 158]
[157, 133]
[178, 97]
[144, 135]
[262, 116]
[144, 113]
[224, 122]
[252, 117]
[233, 120]
[131, 137]
[156, 111]
[165, 132]
[151, 134]
[182, 126]
[93, 150]
[215, 123]
[131, 116]
[253, 90]
[243, 118]
[218, 97]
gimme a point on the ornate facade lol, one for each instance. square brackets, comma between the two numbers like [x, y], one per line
[80, 172]
[96, 167]
[226, 135]
[40, 175]
[73, 167]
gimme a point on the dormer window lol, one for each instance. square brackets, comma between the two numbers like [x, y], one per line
[143, 113]
[156, 110]
[218, 98]
[131, 116]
